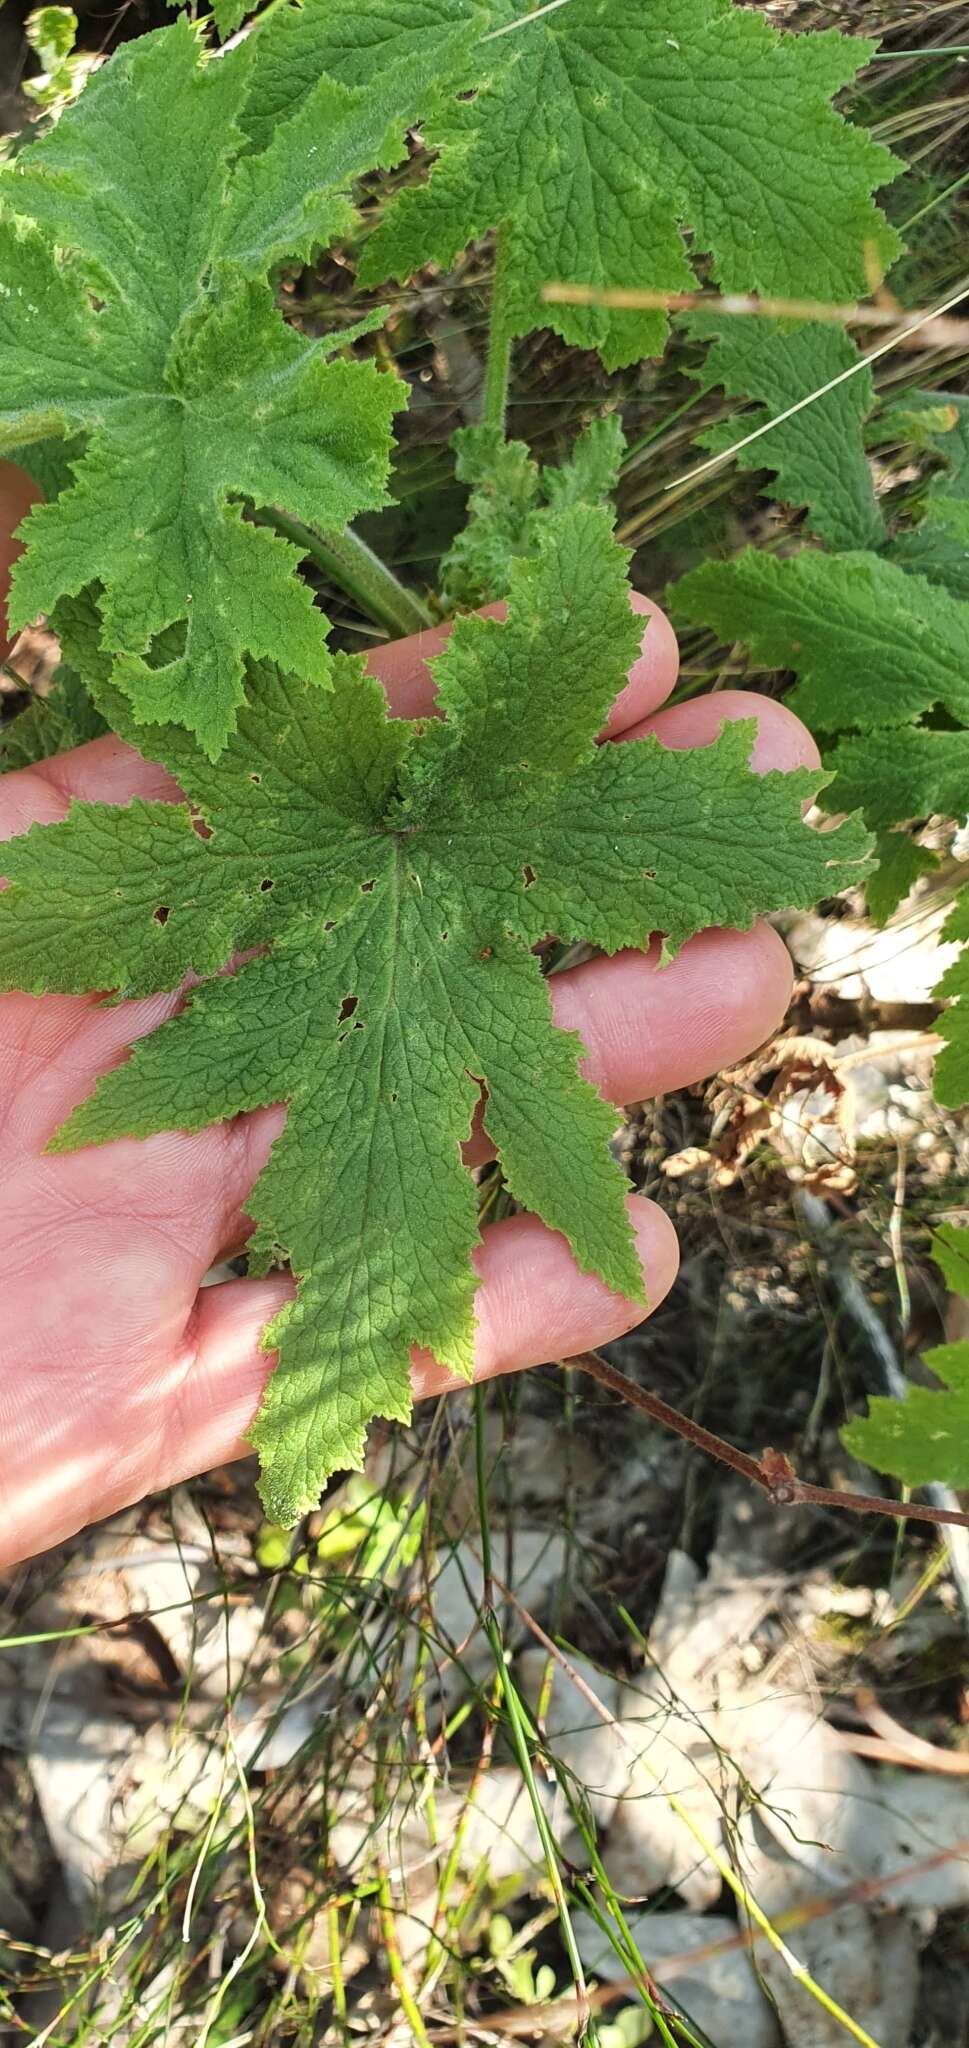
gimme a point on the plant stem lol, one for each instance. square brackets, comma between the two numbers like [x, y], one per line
[518, 1728]
[772, 1472]
[395, 1963]
[499, 344]
[709, 1849]
[348, 561]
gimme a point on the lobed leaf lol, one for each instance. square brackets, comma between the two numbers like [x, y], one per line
[818, 455]
[875, 650]
[419, 48]
[136, 315]
[511, 498]
[391, 879]
[871, 646]
[596, 135]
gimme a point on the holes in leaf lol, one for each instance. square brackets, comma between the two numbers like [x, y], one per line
[394, 1095]
[255, 776]
[167, 646]
[329, 925]
[528, 875]
[347, 1008]
[267, 884]
[162, 914]
[366, 888]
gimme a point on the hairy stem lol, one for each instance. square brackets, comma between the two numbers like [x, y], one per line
[499, 342]
[348, 562]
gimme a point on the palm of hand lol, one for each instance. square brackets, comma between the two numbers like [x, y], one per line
[119, 1373]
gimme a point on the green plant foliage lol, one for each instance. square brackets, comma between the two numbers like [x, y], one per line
[422, 48]
[885, 651]
[596, 133]
[52, 33]
[49, 725]
[160, 344]
[938, 545]
[871, 646]
[817, 456]
[878, 652]
[395, 878]
[511, 498]
[952, 1065]
[926, 1436]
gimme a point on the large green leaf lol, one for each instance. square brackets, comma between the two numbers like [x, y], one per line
[597, 133]
[393, 879]
[872, 647]
[155, 337]
[882, 658]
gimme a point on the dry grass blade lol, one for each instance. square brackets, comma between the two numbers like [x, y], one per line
[935, 330]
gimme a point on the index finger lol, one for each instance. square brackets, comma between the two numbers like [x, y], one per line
[402, 668]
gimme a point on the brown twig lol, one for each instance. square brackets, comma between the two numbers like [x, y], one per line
[948, 1762]
[773, 1472]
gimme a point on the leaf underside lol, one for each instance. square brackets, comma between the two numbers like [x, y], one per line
[395, 878]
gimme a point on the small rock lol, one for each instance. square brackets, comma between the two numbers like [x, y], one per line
[75, 1756]
[867, 1963]
[501, 1828]
[577, 1736]
[919, 1816]
[719, 1993]
[650, 1845]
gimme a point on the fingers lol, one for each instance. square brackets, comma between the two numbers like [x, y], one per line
[17, 494]
[102, 771]
[533, 1304]
[87, 1451]
[108, 771]
[648, 1029]
[402, 668]
[781, 742]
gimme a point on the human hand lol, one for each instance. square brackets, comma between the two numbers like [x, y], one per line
[117, 1374]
